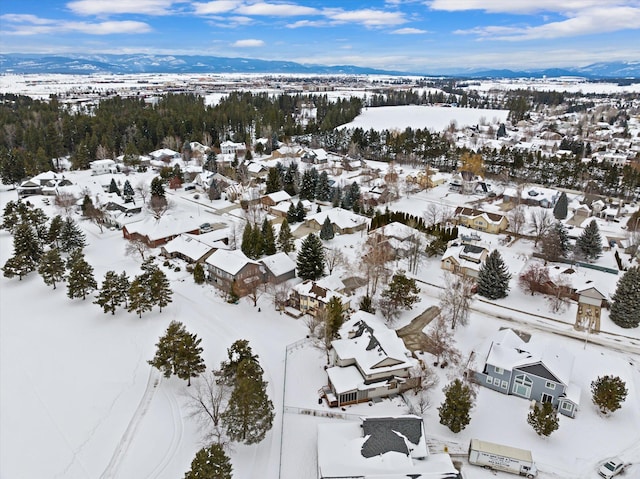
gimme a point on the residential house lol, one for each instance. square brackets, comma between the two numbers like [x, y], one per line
[342, 221]
[103, 167]
[369, 361]
[311, 297]
[590, 302]
[231, 270]
[531, 371]
[464, 259]
[231, 148]
[272, 199]
[278, 268]
[48, 181]
[481, 220]
[190, 248]
[399, 238]
[379, 447]
[156, 232]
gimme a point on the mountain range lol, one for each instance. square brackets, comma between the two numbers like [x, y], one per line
[147, 63]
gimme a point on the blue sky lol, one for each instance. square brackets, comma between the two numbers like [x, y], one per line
[419, 36]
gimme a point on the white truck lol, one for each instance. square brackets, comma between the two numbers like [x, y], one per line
[502, 458]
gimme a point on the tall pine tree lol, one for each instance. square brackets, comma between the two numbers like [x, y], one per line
[111, 295]
[561, 208]
[159, 288]
[589, 244]
[310, 259]
[493, 278]
[323, 188]
[268, 238]
[210, 463]
[326, 232]
[625, 307]
[454, 411]
[543, 419]
[51, 267]
[71, 237]
[138, 295]
[285, 239]
[608, 393]
[80, 280]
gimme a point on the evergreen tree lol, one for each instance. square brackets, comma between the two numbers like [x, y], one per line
[308, 184]
[454, 411]
[300, 212]
[268, 238]
[589, 243]
[238, 352]
[290, 179]
[210, 463]
[214, 192]
[292, 214]
[555, 243]
[335, 317]
[249, 414]
[123, 287]
[80, 280]
[26, 243]
[326, 232]
[543, 419]
[51, 267]
[113, 187]
[127, 190]
[211, 164]
[198, 273]
[336, 195]
[138, 295]
[493, 277]
[111, 295]
[178, 352]
[273, 183]
[608, 393]
[18, 265]
[159, 288]
[310, 261]
[561, 208]
[257, 243]
[402, 292]
[366, 304]
[157, 187]
[247, 240]
[285, 239]
[625, 306]
[71, 237]
[55, 228]
[323, 188]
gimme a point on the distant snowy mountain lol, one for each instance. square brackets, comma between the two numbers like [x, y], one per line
[143, 63]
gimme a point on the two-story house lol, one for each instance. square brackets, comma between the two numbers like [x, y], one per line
[481, 220]
[233, 271]
[310, 297]
[531, 371]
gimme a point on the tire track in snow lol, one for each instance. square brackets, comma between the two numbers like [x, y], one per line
[176, 439]
[143, 406]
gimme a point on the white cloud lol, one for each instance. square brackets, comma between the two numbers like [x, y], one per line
[587, 22]
[276, 9]
[248, 43]
[113, 7]
[107, 28]
[522, 6]
[27, 25]
[215, 7]
[368, 17]
[308, 23]
[409, 31]
[23, 18]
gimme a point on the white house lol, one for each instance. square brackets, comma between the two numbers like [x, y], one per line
[103, 167]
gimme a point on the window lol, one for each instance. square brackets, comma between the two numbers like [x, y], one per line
[499, 370]
[550, 385]
[567, 406]
[546, 398]
[505, 384]
[489, 380]
[522, 386]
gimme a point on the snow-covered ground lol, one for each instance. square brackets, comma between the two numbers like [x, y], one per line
[435, 118]
[78, 399]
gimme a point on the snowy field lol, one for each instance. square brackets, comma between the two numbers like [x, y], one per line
[77, 394]
[569, 85]
[434, 118]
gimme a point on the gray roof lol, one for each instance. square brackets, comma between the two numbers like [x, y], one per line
[387, 434]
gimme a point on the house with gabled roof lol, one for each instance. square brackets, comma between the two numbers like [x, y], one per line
[273, 199]
[343, 221]
[278, 268]
[368, 361]
[530, 371]
[481, 220]
[232, 270]
[156, 232]
[393, 447]
[464, 259]
[311, 297]
[191, 248]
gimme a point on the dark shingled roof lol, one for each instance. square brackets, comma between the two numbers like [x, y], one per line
[388, 434]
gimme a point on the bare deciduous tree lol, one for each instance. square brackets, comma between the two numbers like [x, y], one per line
[136, 247]
[558, 300]
[143, 190]
[96, 214]
[373, 262]
[532, 278]
[207, 400]
[517, 219]
[66, 202]
[280, 294]
[455, 300]
[415, 252]
[432, 214]
[541, 222]
[442, 343]
[334, 258]
[158, 206]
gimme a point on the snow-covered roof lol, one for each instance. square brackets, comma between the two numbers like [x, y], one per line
[342, 453]
[339, 217]
[187, 245]
[397, 230]
[278, 263]
[102, 163]
[229, 261]
[166, 226]
[313, 289]
[163, 152]
[279, 196]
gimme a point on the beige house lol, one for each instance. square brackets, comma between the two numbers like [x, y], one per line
[464, 260]
[481, 220]
[311, 297]
[589, 309]
[343, 221]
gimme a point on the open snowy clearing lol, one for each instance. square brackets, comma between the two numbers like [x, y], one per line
[435, 118]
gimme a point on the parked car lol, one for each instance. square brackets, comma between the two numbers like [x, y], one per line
[612, 468]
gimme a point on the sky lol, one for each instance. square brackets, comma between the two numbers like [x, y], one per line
[418, 36]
